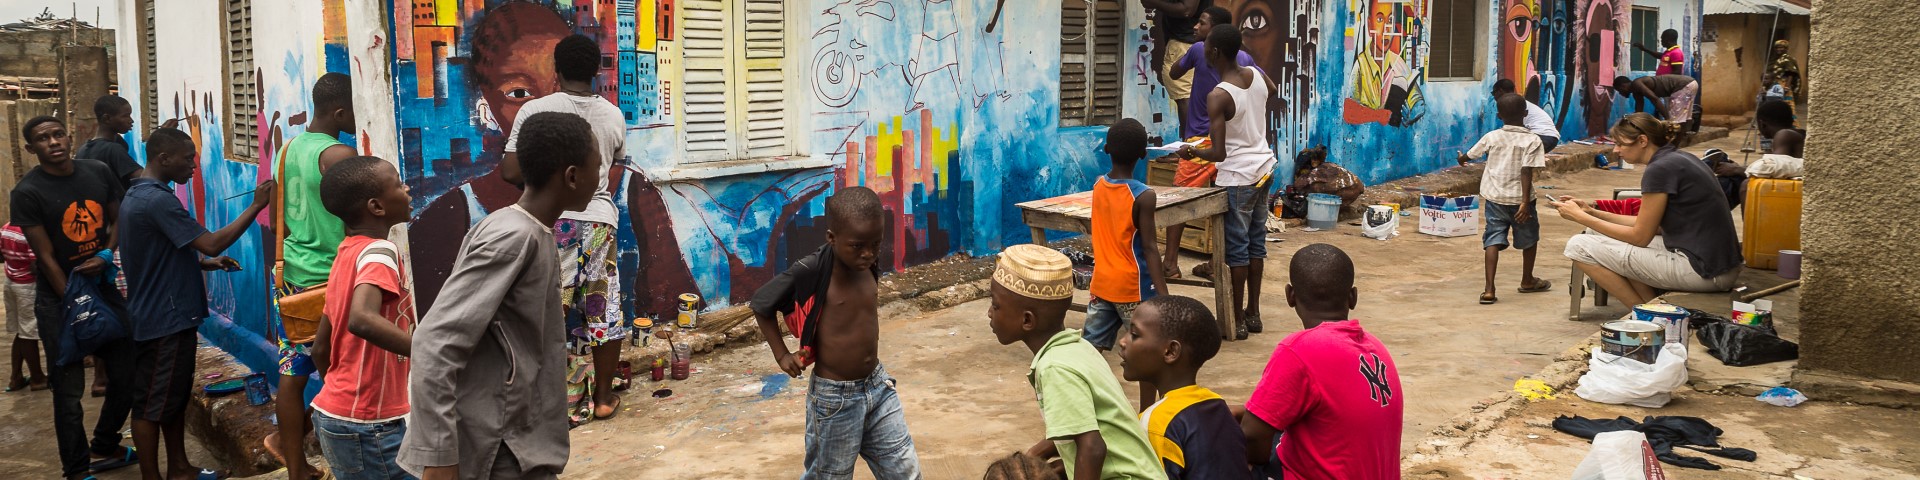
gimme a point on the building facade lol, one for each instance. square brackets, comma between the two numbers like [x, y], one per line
[742, 116]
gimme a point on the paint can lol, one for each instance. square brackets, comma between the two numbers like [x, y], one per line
[1667, 316]
[689, 311]
[259, 390]
[1789, 265]
[1634, 339]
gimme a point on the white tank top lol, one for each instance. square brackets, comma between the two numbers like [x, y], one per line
[1248, 156]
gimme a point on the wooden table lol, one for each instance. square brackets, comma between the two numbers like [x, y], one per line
[1074, 213]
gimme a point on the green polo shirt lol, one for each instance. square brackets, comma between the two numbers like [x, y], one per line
[1078, 393]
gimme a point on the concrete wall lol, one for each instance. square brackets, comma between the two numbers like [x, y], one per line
[13, 114]
[37, 53]
[1861, 307]
[1742, 49]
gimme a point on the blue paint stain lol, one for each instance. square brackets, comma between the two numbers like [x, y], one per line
[773, 384]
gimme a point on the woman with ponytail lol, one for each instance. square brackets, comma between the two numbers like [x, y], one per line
[1681, 240]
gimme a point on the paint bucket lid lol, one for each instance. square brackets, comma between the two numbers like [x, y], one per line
[1663, 309]
[688, 297]
[1633, 326]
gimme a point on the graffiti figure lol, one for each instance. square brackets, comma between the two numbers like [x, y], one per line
[1388, 67]
[843, 60]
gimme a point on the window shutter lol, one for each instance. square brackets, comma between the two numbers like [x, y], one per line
[766, 113]
[1462, 33]
[150, 92]
[1074, 23]
[1108, 35]
[706, 62]
[243, 89]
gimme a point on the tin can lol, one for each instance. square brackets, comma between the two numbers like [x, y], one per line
[689, 311]
[1634, 339]
[259, 390]
[1667, 316]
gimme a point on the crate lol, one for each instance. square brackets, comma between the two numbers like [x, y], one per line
[1196, 237]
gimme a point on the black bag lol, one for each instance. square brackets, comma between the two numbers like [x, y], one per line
[1739, 345]
[1293, 203]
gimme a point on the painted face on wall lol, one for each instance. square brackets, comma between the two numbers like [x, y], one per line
[513, 58]
[1518, 21]
[1597, 59]
[1261, 32]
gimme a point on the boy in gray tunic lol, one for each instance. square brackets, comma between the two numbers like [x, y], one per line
[487, 388]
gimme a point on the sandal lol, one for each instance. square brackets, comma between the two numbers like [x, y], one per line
[615, 410]
[17, 384]
[1488, 299]
[209, 474]
[1544, 285]
[128, 457]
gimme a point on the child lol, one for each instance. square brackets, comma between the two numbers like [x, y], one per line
[306, 238]
[1191, 429]
[162, 252]
[1085, 410]
[1125, 271]
[1506, 188]
[20, 321]
[360, 351]
[490, 359]
[1331, 387]
[830, 301]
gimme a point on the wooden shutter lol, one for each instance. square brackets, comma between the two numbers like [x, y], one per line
[1109, 34]
[765, 82]
[1092, 37]
[1073, 62]
[1451, 49]
[243, 89]
[150, 91]
[707, 65]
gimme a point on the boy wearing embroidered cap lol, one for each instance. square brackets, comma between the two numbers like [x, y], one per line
[1090, 425]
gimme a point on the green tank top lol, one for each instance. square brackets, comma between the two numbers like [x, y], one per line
[313, 235]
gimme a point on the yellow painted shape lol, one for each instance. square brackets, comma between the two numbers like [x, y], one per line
[644, 35]
[1533, 389]
[945, 142]
[445, 12]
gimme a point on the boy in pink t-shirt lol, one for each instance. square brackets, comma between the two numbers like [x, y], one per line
[361, 350]
[1331, 388]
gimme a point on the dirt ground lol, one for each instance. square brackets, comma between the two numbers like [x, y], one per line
[27, 447]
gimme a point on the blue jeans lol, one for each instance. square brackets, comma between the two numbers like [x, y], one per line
[1105, 320]
[1500, 221]
[357, 451]
[1246, 224]
[858, 419]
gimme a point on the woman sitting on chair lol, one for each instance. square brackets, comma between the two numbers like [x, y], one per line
[1681, 240]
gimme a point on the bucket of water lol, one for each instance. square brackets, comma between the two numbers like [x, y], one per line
[1323, 211]
[1635, 339]
[1669, 317]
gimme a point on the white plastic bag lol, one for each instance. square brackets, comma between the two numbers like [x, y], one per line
[1619, 380]
[1620, 455]
[1380, 222]
[1775, 165]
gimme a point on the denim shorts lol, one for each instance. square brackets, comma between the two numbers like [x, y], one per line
[848, 420]
[1500, 221]
[357, 451]
[1105, 320]
[1246, 224]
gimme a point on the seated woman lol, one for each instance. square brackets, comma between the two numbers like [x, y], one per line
[1682, 239]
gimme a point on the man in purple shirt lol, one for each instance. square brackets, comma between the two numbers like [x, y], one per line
[1204, 77]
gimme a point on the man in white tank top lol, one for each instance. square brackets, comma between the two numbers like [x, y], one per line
[1237, 115]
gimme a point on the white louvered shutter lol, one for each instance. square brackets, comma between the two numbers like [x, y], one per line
[708, 63]
[150, 91]
[243, 89]
[765, 83]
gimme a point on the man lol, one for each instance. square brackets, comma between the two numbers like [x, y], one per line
[114, 116]
[67, 209]
[1672, 95]
[1237, 113]
[1538, 121]
[1176, 19]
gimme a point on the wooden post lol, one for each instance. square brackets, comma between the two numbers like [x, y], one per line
[1223, 306]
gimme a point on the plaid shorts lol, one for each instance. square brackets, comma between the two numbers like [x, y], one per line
[590, 280]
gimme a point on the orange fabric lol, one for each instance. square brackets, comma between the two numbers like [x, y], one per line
[1194, 173]
[1116, 267]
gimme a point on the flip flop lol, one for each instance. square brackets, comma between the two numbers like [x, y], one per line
[1488, 299]
[617, 402]
[17, 384]
[209, 474]
[1544, 285]
[127, 458]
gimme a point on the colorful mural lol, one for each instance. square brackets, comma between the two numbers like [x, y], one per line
[1388, 44]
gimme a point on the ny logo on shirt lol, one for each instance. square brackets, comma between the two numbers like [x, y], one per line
[1376, 373]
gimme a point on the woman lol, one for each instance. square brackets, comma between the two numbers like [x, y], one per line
[1682, 239]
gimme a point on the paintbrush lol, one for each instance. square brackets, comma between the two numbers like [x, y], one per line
[256, 188]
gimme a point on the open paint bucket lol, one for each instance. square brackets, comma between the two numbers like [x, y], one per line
[1667, 316]
[1635, 339]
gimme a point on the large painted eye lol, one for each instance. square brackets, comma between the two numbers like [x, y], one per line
[519, 94]
[1522, 28]
[1254, 21]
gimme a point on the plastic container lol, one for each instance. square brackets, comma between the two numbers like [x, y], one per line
[682, 360]
[1789, 265]
[1772, 221]
[1323, 211]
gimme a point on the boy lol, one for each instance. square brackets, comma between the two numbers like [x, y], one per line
[589, 260]
[307, 237]
[20, 322]
[1331, 387]
[1090, 425]
[1538, 121]
[1670, 58]
[1191, 429]
[1125, 271]
[163, 256]
[114, 117]
[1193, 121]
[361, 350]
[66, 207]
[1237, 123]
[491, 359]
[1672, 95]
[1506, 189]
[830, 301]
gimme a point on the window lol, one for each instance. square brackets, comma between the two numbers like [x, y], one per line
[735, 79]
[1646, 31]
[150, 88]
[1455, 50]
[243, 88]
[1091, 37]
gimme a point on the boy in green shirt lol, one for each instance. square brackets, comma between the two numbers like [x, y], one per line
[1090, 425]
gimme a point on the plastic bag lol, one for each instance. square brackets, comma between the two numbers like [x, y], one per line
[1619, 380]
[1621, 455]
[1739, 345]
[1781, 396]
[1380, 223]
[1775, 165]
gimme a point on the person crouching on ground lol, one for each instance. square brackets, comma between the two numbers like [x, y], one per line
[831, 301]
[1513, 156]
[491, 360]
[1332, 387]
[1125, 269]
[1090, 425]
[1191, 428]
